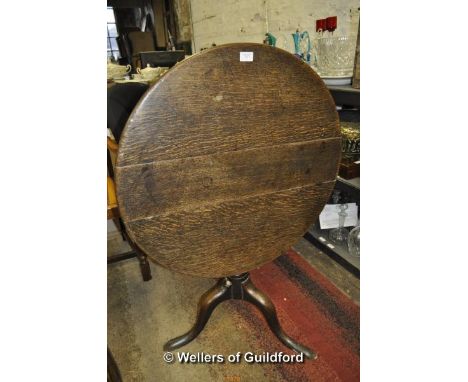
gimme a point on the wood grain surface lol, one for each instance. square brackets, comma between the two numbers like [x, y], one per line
[224, 164]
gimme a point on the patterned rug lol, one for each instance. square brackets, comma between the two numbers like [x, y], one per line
[142, 316]
[317, 315]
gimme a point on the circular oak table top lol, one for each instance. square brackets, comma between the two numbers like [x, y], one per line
[227, 160]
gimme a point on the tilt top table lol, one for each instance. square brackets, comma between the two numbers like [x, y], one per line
[224, 164]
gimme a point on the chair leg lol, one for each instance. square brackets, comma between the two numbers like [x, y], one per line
[122, 229]
[113, 372]
[144, 266]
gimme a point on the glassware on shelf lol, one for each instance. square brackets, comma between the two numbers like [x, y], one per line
[336, 196]
[302, 45]
[354, 241]
[340, 235]
[350, 139]
[336, 56]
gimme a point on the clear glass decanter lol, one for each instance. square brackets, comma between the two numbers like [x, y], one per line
[340, 235]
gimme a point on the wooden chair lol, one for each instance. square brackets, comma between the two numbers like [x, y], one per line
[112, 209]
[121, 98]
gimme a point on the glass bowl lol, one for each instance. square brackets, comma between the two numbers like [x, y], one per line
[336, 56]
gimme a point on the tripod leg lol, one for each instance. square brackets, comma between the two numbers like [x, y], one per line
[208, 302]
[264, 304]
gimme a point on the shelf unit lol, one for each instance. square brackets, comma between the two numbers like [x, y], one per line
[348, 100]
[319, 237]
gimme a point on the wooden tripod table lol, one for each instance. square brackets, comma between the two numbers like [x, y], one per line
[224, 164]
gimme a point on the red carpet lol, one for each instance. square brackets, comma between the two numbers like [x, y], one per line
[313, 312]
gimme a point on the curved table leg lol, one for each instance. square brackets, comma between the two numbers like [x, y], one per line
[208, 302]
[264, 304]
